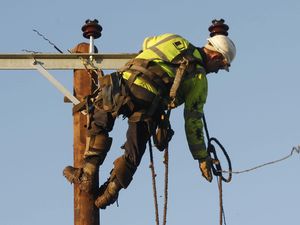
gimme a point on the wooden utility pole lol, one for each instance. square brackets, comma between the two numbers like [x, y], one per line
[85, 211]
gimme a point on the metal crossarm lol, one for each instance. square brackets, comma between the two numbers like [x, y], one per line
[53, 61]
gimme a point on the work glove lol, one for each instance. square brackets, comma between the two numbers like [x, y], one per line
[205, 165]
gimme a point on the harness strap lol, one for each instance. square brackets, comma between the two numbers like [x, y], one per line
[162, 75]
[149, 76]
[120, 102]
[115, 81]
[178, 78]
[150, 69]
[154, 105]
[131, 79]
[135, 61]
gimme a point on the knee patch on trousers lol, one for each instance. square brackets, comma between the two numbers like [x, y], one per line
[97, 145]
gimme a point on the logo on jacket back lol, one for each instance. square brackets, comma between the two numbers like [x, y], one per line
[178, 45]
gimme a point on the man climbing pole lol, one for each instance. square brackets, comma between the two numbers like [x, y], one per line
[168, 72]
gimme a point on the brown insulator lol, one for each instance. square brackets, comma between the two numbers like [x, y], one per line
[91, 29]
[218, 27]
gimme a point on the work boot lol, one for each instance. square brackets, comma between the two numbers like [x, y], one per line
[120, 177]
[83, 176]
[95, 153]
[108, 193]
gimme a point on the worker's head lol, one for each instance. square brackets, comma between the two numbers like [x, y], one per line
[220, 51]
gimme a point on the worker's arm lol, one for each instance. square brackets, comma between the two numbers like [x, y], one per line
[194, 92]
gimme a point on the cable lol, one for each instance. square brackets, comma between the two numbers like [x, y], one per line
[46, 39]
[294, 149]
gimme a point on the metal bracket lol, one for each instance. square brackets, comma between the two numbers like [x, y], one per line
[39, 67]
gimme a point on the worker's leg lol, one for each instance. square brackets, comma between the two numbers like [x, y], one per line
[97, 145]
[126, 165]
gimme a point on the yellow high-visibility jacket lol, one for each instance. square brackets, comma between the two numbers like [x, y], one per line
[163, 50]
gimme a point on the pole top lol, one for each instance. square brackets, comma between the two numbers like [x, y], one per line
[91, 29]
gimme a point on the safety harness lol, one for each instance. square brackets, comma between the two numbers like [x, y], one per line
[153, 74]
[181, 60]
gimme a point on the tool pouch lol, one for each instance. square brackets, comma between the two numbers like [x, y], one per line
[164, 133]
[110, 92]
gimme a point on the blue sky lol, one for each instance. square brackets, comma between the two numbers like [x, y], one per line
[253, 110]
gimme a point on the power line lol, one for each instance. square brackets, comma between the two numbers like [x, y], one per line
[294, 149]
[46, 39]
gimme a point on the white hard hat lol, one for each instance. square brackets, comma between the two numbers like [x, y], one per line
[224, 45]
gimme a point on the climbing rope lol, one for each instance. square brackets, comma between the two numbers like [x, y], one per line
[221, 209]
[166, 185]
[166, 162]
[151, 166]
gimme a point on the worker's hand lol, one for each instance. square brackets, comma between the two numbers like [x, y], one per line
[205, 167]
